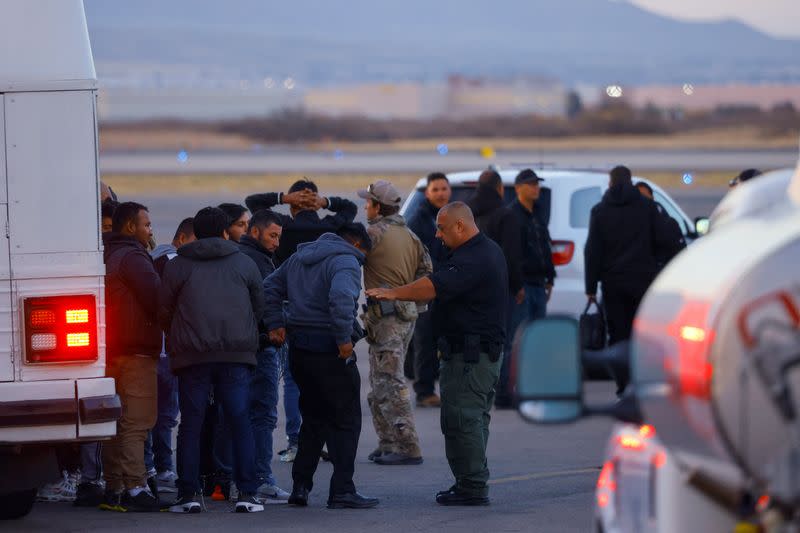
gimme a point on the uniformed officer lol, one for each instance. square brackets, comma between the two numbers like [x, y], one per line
[397, 258]
[470, 291]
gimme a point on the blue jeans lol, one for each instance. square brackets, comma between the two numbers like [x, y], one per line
[231, 385]
[264, 409]
[158, 446]
[291, 400]
[534, 307]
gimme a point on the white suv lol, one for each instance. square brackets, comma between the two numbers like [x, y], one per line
[566, 201]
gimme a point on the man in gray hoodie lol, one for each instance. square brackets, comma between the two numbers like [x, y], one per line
[322, 283]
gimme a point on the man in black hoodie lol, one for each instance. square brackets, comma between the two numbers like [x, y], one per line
[304, 224]
[211, 303]
[262, 239]
[133, 344]
[500, 224]
[626, 236]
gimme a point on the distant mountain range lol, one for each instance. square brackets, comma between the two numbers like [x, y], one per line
[323, 42]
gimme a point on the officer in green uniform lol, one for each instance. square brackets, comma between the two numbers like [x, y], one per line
[471, 292]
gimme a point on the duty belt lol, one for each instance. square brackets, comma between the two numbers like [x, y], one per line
[470, 346]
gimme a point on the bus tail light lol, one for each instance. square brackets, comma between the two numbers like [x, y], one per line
[60, 329]
[563, 252]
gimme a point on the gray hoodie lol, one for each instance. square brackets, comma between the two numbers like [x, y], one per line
[322, 282]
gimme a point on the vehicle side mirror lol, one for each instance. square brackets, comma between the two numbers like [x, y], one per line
[549, 387]
[701, 225]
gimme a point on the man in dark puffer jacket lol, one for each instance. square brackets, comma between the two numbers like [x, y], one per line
[210, 303]
[133, 343]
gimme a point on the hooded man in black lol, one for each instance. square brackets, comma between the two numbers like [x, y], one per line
[211, 303]
[500, 224]
[626, 236]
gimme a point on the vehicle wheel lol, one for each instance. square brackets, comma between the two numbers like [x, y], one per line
[16, 504]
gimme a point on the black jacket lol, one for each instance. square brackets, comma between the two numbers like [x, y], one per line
[537, 252]
[423, 223]
[132, 286]
[210, 304]
[676, 241]
[306, 226]
[626, 235]
[262, 258]
[501, 225]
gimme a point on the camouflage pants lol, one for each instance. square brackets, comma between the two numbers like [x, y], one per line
[390, 398]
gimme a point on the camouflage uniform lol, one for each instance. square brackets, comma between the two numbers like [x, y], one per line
[398, 257]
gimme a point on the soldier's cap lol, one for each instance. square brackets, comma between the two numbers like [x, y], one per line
[527, 176]
[382, 192]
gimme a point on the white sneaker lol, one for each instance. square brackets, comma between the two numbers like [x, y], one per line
[63, 490]
[186, 504]
[249, 504]
[272, 494]
[166, 481]
[289, 454]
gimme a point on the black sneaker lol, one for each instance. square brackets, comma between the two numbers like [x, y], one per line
[248, 503]
[144, 502]
[112, 501]
[152, 484]
[89, 494]
[186, 503]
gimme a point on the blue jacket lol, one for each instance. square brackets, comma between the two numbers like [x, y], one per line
[322, 282]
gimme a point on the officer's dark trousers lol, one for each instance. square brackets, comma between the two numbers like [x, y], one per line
[330, 404]
[426, 364]
[468, 391]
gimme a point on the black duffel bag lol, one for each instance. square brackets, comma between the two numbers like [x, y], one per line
[593, 328]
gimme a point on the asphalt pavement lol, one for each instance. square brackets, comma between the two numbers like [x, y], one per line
[542, 479]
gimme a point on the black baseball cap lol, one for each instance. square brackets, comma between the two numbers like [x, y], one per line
[527, 176]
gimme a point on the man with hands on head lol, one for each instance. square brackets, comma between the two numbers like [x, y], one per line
[304, 224]
[471, 291]
[322, 283]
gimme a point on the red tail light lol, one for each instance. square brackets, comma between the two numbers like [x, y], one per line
[563, 252]
[606, 484]
[60, 329]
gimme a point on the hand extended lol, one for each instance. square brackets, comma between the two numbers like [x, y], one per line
[277, 336]
[345, 350]
[381, 293]
[520, 297]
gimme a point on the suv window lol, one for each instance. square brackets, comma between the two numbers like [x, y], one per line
[581, 204]
[461, 193]
[671, 211]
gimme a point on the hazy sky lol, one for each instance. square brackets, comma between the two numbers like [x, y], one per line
[778, 17]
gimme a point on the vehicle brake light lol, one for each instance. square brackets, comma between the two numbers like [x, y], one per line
[630, 443]
[60, 329]
[606, 484]
[647, 431]
[563, 252]
[659, 459]
[77, 316]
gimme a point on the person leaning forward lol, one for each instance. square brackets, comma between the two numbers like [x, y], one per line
[471, 298]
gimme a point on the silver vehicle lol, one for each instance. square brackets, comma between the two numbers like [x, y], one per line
[712, 436]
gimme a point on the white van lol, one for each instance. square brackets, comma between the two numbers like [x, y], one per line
[567, 198]
[52, 317]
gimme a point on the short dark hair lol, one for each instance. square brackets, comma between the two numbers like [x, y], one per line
[186, 227]
[435, 176]
[490, 178]
[646, 186]
[107, 208]
[232, 211]
[355, 232]
[210, 222]
[263, 218]
[303, 184]
[124, 213]
[619, 175]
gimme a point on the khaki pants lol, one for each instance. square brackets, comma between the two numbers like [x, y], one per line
[123, 455]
